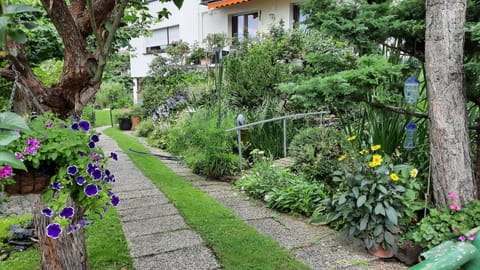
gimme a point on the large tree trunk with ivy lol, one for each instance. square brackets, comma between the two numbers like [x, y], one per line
[82, 69]
[450, 160]
[68, 251]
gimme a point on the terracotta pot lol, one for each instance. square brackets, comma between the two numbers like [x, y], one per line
[31, 182]
[380, 252]
[135, 121]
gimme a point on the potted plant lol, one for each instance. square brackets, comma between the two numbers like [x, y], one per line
[124, 120]
[136, 114]
[196, 56]
[374, 197]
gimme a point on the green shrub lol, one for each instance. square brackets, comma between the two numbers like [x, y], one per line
[144, 128]
[158, 138]
[281, 189]
[445, 224]
[202, 140]
[316, 152]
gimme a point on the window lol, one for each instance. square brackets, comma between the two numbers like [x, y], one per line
[297, 16]
[244, 25]
[161, 38]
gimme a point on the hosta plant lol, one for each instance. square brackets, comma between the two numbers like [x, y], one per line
[374, 196]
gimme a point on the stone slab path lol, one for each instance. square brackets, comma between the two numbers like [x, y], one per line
[155, 231]
[316, 246]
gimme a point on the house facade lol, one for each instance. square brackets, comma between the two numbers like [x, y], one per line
[199, 18]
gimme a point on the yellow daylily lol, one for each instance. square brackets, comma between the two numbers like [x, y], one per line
[394, 177]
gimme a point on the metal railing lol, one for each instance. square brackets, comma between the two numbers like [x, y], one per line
[283, 118]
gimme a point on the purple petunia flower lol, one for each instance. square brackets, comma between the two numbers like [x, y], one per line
[74, 126]
[114, 200]
[71, 229]
[82, 223]
[95, 156]
[471, 237]
[62, 125]
[19, 156]
[47, 212]
[85, 125]
[6, 171]
[90, 190]
[114, 155]
[80, 180]
[91, 145]
[54, 230]
[72, 170]
[67, 212]
[82, 154]
[57, 186]
[49, 125]
[94, 138]
[97, 174]
[462, 238]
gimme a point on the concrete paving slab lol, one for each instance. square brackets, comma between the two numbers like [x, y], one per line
[191, 258]
[131, 187]
[138, 193]
[153, 225]
[252, 212]
[155, 211]
[143, 202]
[159, 243]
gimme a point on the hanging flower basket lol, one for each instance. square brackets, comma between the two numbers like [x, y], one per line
[31, 182]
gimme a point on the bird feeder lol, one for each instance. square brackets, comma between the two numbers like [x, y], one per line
[410, 135]
[411, 91]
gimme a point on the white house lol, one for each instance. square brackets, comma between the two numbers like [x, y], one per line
[198, 18]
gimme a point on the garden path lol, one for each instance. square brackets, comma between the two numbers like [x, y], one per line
[317, 246]
[155, 231]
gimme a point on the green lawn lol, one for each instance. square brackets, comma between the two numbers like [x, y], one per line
[102, 117]
[236, 244]
[106, 246]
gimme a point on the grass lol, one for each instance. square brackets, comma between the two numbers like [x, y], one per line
[102, 117]
[236, 244]
[106, 246]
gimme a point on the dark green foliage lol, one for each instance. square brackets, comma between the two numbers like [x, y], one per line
[315, 151]
[158, 138]
[445, 224]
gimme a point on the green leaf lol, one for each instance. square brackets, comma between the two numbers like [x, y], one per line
[17, 35]
[379, 209]
[400, 167]
[19, 8]
[361, 200]
[178, 3]
[12, 121]
[382, 189]
[342, 200]
[8, 136]
[389, 238]
[378, 230]
[11, 160]
[355, 192]
[392, 215]
[363, 223]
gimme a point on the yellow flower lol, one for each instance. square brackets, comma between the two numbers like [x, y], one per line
[372, 164]
[363, 152]
[341, 158]
[377, 159]
[394, 177]
[351, 138]
[413, 173]
[375, 147]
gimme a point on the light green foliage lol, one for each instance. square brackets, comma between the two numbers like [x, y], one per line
[315, 151]
[145, 128]
[202, 140]
[445, 224]
[158, 138]
[114, 94]
[49, 71]
[281, 189]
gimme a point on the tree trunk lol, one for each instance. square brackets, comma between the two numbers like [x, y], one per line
[450, 160]
[68, 251]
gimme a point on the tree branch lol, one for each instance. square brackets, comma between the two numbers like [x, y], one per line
[7, 73]
[400, 110]
[93, 23]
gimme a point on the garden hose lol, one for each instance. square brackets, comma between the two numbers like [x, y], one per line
[156, 155]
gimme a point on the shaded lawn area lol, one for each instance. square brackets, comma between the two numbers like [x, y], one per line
[236, 244]
[102, 117]
[106, 246]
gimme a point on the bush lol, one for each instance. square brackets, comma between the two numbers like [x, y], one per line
[158, 138]
[144, 128]
[282, 189]
[202, 140]
[316, 151]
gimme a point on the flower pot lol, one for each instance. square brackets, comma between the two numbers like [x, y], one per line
[380, 252]
[135, 121]
[31, 182]
[125, 124]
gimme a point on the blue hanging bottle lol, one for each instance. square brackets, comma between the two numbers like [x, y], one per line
[410, 135]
